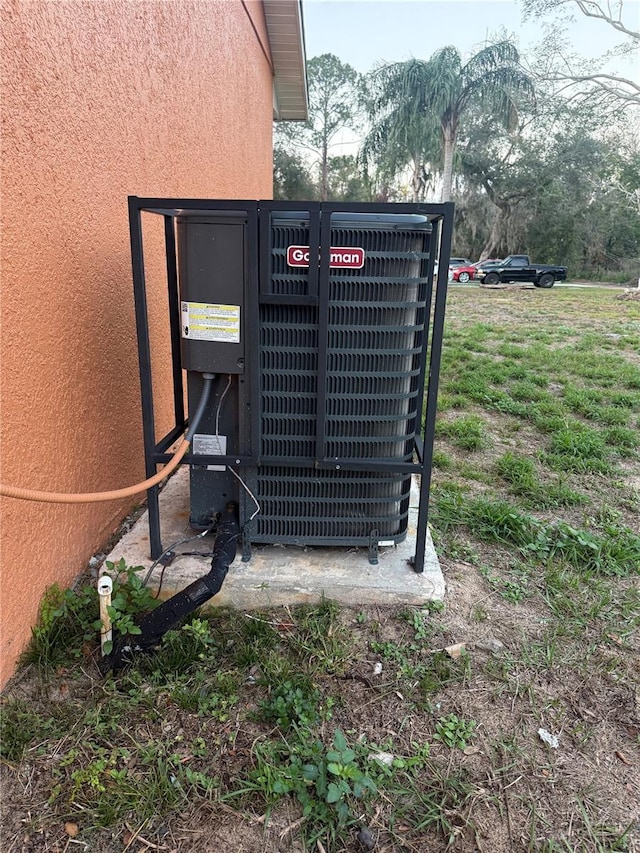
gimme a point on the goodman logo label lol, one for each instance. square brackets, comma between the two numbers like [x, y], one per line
[345, 257]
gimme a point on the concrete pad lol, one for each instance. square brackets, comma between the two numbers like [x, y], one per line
[280, 575]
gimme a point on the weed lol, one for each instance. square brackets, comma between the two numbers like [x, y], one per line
[528, 391]
[440, 670]
[426, 674]
[593, 837]
[437, 801]
[623, 440]
[208, 694]
[442, 460]
[510, 351]
[423, 630]
[520, 473]
[255, 639]
[319, 637]
[451, 401]
[290, 704]
[479, 613]
[130, 597]
[514, 588]
[69, 624]
[457, 547]
[615, 551]
[325, 782]
[66, 621]
[454, 731]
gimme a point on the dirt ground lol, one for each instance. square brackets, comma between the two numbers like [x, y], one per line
[521, 792]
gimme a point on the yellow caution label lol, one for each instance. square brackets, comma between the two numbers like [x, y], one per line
[204, 321]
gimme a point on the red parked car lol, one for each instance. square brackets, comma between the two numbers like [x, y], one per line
[467, 272]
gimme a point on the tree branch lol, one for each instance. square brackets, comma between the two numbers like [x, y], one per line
[605, 82]
[595, 10]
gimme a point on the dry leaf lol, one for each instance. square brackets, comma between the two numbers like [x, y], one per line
[616, 639]
[71, 829]
[455, 650]
[622, 757]
[471, 750]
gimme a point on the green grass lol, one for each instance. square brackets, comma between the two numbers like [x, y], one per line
[614, 549]
[520, 474]
[467, 432]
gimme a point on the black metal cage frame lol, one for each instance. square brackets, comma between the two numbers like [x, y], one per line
[258, 215]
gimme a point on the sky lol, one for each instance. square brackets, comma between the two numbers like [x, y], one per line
[366, 32]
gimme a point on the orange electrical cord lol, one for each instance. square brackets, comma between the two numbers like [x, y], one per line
[95, 497]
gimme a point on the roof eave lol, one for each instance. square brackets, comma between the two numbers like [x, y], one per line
[286, 40]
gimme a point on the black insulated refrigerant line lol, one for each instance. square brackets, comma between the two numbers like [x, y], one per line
[170, 613]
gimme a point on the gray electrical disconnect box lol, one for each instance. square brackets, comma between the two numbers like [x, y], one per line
[213, 280]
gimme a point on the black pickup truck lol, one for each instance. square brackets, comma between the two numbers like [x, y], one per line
[520, 268]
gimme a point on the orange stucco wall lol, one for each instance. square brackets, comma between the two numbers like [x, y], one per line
[100, 100]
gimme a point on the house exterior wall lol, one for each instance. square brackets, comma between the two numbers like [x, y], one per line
[101, 101]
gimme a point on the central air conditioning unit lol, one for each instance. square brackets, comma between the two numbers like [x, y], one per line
[322, 327]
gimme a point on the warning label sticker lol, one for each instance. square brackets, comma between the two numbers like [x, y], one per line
[211, 445]
[203, 321]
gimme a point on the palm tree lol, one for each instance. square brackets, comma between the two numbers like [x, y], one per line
[401, 135]
[436, 94]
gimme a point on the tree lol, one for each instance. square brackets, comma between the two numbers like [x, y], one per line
[440, 91]
[333, 107]
[512, 165]
[291, 177]
[610, 13]
[402, 136]
[559, 187]
[589, 82]
[345, 181]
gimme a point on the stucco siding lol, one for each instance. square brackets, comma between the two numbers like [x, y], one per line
[101, 100]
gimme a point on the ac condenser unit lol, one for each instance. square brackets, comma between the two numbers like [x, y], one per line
[317, 321]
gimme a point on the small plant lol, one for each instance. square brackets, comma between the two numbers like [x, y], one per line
[623, 440]
[440, 670]
[325, 782]
[514, 587]
[578, 448]
[130, 597]
[200, 631]
[479, 613]
[68, 625]
[423, 629]
[454, 731]
[348, 778]
[208, 694]
[442, 460]
[319, 636]
[292, 705]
